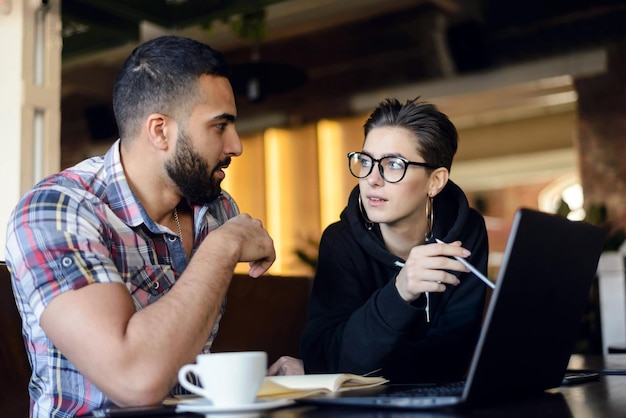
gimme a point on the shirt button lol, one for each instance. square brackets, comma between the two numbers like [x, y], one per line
[156, 285]
[172, 238]
[66, 261]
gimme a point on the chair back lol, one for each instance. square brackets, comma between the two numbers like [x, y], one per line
[14, 367]
[267, 314]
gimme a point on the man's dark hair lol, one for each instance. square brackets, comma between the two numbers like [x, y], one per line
[161, 76]
[436, 136]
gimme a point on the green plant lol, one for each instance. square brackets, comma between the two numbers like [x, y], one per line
[308, 253]
[250, 25]
[596, 214]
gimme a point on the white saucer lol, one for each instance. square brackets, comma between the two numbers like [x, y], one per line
[203, 406]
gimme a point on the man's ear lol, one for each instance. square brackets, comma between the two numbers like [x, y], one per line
[438, 180]
[159, 130]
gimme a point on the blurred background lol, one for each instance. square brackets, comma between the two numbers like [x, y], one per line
[536, 88]
[514, 77]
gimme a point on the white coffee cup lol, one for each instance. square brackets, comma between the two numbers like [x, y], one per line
[227, 379]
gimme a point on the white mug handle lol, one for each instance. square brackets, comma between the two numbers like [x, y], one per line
[182, 379]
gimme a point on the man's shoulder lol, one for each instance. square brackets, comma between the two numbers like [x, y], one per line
[61, 193]
[86, 178]
[73, 187]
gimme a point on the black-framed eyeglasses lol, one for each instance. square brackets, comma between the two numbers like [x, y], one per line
[391, 168]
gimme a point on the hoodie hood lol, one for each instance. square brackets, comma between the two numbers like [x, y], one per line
[451, 211]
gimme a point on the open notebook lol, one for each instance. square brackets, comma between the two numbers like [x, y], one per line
[531, 324]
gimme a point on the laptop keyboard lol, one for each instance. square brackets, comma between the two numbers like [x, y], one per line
[447, 389]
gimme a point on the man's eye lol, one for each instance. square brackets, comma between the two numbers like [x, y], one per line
[365, 162]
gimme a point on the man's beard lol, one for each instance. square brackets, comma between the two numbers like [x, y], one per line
[189, 171]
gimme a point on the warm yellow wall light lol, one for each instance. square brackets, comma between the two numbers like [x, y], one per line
[275, 185]
[335, 138]
[332, 171]
[292, 190]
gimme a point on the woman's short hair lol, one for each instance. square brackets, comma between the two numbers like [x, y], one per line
[436, 137]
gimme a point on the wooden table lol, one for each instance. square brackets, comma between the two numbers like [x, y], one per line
[605, 398]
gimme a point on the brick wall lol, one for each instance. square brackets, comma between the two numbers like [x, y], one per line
[601, 136]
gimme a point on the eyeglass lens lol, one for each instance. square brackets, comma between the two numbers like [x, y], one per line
[391, 169]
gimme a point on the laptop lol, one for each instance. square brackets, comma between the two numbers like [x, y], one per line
[530, 326]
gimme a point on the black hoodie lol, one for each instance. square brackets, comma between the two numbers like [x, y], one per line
[357, 321]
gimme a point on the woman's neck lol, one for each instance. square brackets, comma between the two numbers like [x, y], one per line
[400, 240]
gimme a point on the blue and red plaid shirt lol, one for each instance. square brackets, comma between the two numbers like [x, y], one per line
[84, 226]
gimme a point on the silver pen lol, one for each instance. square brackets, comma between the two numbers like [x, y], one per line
[471, 268]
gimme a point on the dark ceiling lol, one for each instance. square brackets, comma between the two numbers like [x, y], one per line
[89, 25]
[311, 69]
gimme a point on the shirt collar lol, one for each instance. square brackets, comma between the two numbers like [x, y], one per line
[121, 198]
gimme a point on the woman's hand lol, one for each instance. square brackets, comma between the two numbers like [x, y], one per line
[427, 269]
[286, 365]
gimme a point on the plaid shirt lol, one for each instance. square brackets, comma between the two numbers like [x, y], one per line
[83, 226]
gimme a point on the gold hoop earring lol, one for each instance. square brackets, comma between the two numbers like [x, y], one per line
[368, 224]
[430, 217]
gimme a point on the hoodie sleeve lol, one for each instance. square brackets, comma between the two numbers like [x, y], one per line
[446, 351]
[353, 323]
[358, 322]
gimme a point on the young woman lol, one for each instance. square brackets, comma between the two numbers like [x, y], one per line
[387, 295]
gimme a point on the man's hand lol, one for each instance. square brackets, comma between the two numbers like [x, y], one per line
[253, 243]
